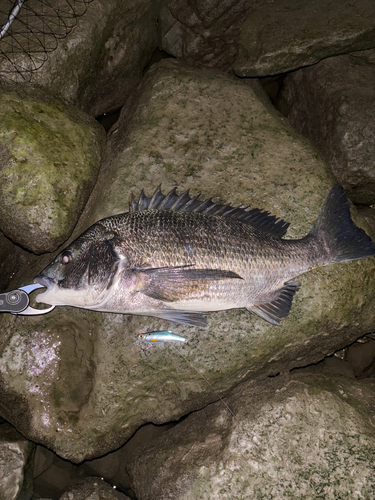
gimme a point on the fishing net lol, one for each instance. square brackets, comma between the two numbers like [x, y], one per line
[30, 30]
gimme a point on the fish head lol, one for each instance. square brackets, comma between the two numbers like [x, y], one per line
[83, 272]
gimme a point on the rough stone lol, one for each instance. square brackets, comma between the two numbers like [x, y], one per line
[103, 57]
[288, 34]
[16, 465]
[50, 154]
[205, 33]
[361, 357]
[111, 468]
[57, 478]
[331, 103]
[199, 130]
[12, 258]
[93, 488]
[292, 437]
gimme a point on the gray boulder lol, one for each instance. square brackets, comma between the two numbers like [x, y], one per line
[100, 60]
[12, 259]
[50, 154]
[204, 33]
[93, 488]
[288, 34]
[16, 465]
[331, 103]
[208, 132]
[292, 437]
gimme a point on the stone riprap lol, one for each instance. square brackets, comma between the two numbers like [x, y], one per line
[208, 132]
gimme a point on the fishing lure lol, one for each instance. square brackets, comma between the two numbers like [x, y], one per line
[167, 336]
[161, 337]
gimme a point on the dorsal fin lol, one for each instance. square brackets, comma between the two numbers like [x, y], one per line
[184, 203]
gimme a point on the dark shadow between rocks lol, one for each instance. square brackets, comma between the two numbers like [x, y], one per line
[357, 361]
[156, 57]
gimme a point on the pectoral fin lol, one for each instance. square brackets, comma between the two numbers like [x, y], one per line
[172, 284]
[274, 311]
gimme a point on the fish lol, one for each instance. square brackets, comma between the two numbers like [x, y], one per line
[179, 258]
[161, 337]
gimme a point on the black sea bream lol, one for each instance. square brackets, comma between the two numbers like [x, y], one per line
[179, 258]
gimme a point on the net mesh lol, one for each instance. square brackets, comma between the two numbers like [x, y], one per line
[30, 30]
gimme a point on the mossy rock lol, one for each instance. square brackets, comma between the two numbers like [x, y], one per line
[50, 154]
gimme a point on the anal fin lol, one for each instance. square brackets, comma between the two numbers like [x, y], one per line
[274, 311]
[191, 318]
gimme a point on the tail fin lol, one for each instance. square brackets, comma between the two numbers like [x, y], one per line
[351, 242]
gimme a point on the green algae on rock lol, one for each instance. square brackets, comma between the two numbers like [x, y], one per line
[50, 156]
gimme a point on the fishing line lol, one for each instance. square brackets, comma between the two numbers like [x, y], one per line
[204, 378]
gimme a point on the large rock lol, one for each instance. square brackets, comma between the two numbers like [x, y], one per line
[93, 488]
[12, 258]
[205, 131]
[53, 476]
[288, 34]
[50, 154]
[204, 33]
[332, 103]
[16, 465]
[100, 60]
[293, 437]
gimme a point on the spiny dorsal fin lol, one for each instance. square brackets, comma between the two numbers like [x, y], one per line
[184, 203]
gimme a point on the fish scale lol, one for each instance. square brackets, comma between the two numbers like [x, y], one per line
[180, 258]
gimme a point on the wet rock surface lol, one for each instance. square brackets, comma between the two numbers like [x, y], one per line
[50, 155]
[16, 464]
[290, 34]
[101, 60]
[95, 489]
[76, 382]
[329, 104]
[12, 257]
[204, 33]
[292, 436]
[208, 132]
[232, 143]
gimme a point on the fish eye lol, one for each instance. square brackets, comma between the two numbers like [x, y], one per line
[66, 257]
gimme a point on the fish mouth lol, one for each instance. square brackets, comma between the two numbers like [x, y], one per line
[44, 281]
[43, 298]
